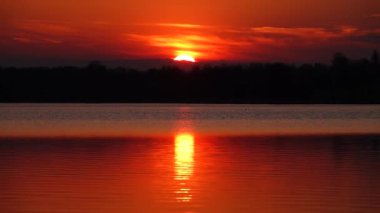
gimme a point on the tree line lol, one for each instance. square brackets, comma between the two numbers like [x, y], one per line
[343, 81]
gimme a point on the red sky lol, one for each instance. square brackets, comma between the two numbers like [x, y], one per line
[240, 30]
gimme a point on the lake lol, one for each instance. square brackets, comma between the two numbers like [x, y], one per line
[189, 158]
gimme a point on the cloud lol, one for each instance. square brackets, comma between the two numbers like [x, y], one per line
[32, 38]
[313, 37]
[166, 40]
[304, 33]
[190, 26]
[36, 39]
[203, 45]
[39, 32]
[23, 39]
[46, 27]
[262, 43]
[371, 38]
[309, 44]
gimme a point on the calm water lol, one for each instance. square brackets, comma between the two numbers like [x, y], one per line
[189, 158]
[163, 120]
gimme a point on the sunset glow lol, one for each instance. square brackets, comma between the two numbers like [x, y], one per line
[253, 31]
[186, 58]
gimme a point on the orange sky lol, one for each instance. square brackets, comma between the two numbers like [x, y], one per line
[241, 30]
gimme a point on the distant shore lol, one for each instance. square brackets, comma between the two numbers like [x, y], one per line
[345, 81]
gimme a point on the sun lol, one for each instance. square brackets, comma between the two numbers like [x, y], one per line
[184, 57]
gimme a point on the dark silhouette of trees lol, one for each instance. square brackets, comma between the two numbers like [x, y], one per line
[375, 57]
[340, 60]
[345, 81]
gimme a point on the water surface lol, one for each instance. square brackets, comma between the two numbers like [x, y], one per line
[189, 158]
[190, 174]
[164, 119]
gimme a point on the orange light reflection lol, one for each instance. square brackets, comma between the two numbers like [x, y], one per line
[184, 165]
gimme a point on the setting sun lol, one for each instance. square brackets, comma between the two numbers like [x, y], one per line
[184, 57]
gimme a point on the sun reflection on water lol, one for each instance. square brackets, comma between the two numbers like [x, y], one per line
[184, 165]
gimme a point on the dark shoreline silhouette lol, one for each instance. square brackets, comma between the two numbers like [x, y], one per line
[345, 81]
